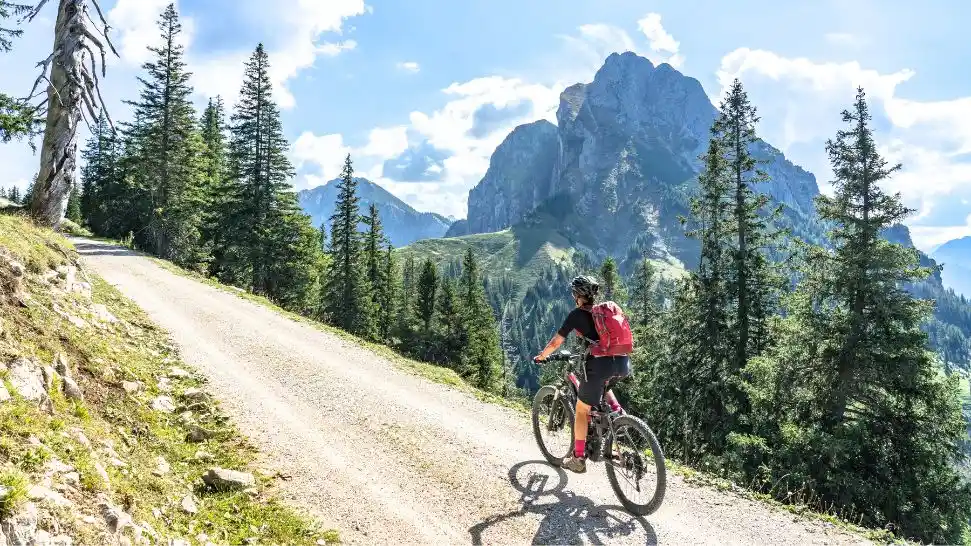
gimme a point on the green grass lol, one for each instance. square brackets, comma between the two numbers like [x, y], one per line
[133, 350]
[15, 484]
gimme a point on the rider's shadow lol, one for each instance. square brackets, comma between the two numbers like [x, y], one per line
[567, 518]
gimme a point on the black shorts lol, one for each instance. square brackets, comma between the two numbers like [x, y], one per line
[599, 372]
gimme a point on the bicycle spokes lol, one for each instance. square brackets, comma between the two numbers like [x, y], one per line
[633, 460]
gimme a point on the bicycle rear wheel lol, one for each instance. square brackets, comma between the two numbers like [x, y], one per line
[552, 425]
[636, 466]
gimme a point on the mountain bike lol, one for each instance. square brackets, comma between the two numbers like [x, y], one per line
[608, 435]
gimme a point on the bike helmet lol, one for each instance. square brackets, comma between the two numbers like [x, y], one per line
[586, 287]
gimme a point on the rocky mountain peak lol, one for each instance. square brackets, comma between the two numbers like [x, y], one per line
[626, 147]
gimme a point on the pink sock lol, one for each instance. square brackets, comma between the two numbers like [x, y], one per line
[579, 448]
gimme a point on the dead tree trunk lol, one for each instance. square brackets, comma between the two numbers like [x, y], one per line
[72, 91]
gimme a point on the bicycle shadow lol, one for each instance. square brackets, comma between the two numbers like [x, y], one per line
[568, 518]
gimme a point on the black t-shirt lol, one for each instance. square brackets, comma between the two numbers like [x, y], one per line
[580, 320]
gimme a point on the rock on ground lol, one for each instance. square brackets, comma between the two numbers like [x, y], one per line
[27, 379]
[222, 479]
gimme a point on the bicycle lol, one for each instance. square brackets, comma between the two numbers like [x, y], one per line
[604, 437]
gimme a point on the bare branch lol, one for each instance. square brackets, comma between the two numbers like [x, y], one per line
[36, 10]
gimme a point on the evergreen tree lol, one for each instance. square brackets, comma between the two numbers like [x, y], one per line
[482, 354]
[167, 162]
[74, 207]
[752, 286]
[643, 299]
[14, 195]
[348, 300]
[849, 399]
[374, 240]
[449, 317]
[426, 291]
[267, 244]
[406, 308]
[216, 187]
[388, 296]
[322, 235]
[16, 116]
[99, 184]
[613, 285]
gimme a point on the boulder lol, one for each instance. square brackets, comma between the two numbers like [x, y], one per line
[132, 387]
[116, 518]
[189, 506]
[164, 404]
[27, 379]
[19, 529]
[222, 479]
[71, 389]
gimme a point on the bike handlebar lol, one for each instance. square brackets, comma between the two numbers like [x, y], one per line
[561, 356]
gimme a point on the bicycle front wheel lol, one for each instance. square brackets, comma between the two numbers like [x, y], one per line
[636, 466]
[552, 425]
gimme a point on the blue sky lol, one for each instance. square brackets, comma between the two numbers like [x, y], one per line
[421, 92]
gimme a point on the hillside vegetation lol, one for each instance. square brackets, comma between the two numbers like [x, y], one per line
[105, 434]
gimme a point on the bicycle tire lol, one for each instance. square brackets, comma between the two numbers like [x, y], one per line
[541, 395]
[651, 506]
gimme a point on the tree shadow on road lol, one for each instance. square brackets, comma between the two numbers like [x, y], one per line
[567, 518]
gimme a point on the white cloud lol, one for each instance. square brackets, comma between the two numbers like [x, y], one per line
[136, 22]
[409, 66]
[326, 152]
[295, 44]
[661, 41]
[385, 143]
[800, 101]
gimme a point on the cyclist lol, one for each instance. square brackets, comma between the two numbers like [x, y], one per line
[597, 371]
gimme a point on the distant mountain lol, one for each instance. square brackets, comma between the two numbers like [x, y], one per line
[402, 223]
[955, 256]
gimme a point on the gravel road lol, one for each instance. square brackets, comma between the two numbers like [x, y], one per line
[388, 457]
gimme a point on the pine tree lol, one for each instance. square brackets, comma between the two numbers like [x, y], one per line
[14, 195]
[643, 299]
[406, 308]
[374, 240]
[98, 177]
[482, 355]
[74, 207]
[426, 291]
[752, 284]
[267, 244]
[168, 150]
[849, 398]
[613, 285]
[216, 187]
[388, 296]
[348, 300]
[449, 318]
[322, 236]
[16, 116]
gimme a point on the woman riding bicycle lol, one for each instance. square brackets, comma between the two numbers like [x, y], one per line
[598, 371]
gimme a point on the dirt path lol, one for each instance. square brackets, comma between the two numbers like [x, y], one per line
[388, 457]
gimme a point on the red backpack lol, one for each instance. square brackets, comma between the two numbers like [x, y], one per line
[616, 338]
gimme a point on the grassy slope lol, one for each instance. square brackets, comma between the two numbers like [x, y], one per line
[448, 377]
[131, 350]
[521, 252]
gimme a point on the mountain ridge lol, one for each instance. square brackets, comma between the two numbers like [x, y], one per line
[402, 223]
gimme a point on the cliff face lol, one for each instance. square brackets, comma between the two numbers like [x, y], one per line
[518, 179]
[626, 151]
